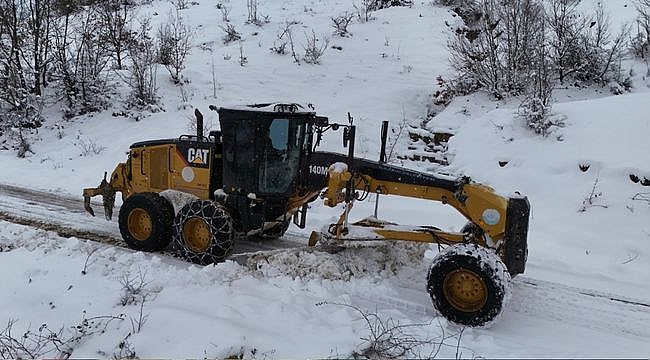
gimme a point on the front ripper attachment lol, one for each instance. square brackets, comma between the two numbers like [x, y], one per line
[108, 194]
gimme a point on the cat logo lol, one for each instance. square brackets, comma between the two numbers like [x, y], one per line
[198, 157]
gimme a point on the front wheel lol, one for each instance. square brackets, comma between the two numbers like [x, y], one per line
[145, 222]
[469, 285]
[203, 232]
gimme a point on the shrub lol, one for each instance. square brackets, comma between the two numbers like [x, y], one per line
[314, 51]
[174, 44]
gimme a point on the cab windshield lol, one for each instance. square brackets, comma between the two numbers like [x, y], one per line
[282, 145]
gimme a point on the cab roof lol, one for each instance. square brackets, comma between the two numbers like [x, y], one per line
[277, 107]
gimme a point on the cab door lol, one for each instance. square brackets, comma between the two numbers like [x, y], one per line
[159, 167]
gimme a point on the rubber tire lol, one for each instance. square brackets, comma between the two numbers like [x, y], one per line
[481, 262]
[161, 213]
[220, 226]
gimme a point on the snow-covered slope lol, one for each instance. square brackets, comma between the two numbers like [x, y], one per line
[584, 293]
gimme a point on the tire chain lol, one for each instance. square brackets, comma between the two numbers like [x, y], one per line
[221, 227]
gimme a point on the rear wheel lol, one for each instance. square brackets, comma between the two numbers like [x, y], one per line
[145, 222]
[469, 285]
[203, 232]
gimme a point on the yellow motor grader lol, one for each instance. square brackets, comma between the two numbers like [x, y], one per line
[261, 170]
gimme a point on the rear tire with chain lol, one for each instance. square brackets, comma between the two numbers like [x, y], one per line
[203, 232]
[469, 285]
[145, 222]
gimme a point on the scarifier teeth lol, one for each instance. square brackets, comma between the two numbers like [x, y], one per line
[87, 205]
[108, 196]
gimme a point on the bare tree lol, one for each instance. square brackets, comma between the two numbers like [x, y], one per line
[40, 31]
[142, 79]
[476, 53]
[15, 85]
[566, 28]
[365, 9]
[80, 62]
[499, 47]
[24, 52]
[115, 31]
[174, 44]
[251, 5]
[641, 42]
[25, 36]
[181, 4]
[383, 4]
[602, 53]
[519, 20]
[535, 109]
[643, 26]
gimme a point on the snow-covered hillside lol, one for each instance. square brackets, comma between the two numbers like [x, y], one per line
[585, 291]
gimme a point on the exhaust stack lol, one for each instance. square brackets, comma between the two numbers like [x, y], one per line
[199, 124]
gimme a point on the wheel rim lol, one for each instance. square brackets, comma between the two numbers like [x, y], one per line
[465, 290]
[197, 235]
[140, 224]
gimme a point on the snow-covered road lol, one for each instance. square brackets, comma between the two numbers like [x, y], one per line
[536, 306]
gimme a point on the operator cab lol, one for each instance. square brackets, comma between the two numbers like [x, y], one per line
[266, 150]
[262, 147]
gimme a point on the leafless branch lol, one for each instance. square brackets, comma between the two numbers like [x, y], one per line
[593, 196]
[395, 138]
[388, 339]
[225, 12]
[231, 33]
[134, 289]
[314, 51]
[44, 341]
[83, 272]
[642, 197]
[630, 258]
[340, 24]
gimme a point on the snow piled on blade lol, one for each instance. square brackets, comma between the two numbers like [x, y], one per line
[376, 262]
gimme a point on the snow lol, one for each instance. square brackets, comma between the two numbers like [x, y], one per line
[178, 199]
[298, 303]
[338, 167]
[271, 107]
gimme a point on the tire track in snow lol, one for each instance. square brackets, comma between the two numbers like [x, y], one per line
[66, 216]
[585, 308]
